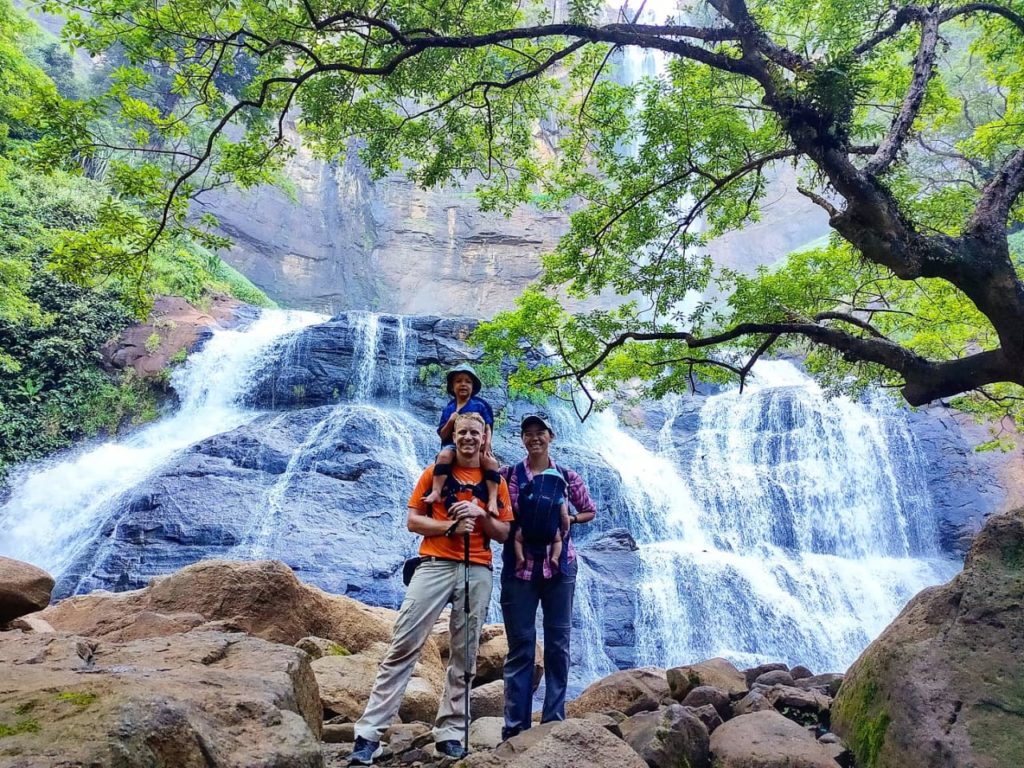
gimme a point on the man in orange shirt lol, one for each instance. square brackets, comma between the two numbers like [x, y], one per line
[439, 580]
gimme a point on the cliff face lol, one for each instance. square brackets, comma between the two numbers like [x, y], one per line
[344, 241]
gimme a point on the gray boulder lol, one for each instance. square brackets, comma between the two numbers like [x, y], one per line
[767, 740]
[561, 744]
[667, 738]
[629, 691]
[709, 695]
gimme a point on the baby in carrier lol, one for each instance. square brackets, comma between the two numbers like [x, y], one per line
[537, 531]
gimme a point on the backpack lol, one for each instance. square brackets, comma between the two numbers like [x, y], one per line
[540, 506]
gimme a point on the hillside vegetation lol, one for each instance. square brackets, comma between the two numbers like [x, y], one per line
[52, 388]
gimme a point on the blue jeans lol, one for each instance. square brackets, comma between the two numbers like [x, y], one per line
[519, 600]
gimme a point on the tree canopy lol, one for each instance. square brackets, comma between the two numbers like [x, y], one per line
[903, 120]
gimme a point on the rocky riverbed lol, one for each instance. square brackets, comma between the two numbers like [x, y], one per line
[240, 664]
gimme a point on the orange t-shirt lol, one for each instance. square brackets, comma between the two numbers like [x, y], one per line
[452, 547]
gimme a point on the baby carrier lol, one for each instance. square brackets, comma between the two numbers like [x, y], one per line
[540, 507]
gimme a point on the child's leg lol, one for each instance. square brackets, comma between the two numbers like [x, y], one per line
[442, 468]
[493, 478]
[556, 550]
[518, 545]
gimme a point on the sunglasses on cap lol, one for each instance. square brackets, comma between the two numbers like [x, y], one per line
[539, 418]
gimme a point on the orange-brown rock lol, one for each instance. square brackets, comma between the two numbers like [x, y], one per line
[198, 699]
[173, 326]
[264, 599]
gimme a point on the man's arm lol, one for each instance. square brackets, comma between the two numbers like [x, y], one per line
[472, 514]
[422, 524]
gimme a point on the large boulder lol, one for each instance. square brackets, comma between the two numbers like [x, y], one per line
[559, 744]
[629, 691]
[943, 685]
[203, 698]
[767, 740]
[487, 700]
[262, 598]
[24, 589]
[345, 683]
[716, 672]
[667, 738]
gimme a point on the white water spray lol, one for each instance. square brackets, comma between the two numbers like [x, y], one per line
[55, 506]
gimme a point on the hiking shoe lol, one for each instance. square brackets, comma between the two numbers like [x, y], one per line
[451, 748]
[364, 751]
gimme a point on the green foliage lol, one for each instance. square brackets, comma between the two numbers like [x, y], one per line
[650, 172]
[22, 726]
[864, 717]
[335, 649]
[80, 699]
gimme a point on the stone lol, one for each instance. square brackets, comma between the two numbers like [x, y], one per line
[261, 598]
[345, 683]
[708, 694]
[789, 698]
[827, 683]
[941, 685]
[629, 691]
[24, 589]
[751, 674]
[799, 672]
[766, 740]
[774, 677]
[561, 744]
[338, 733]
[31, 623]
[490, 660]
[718, 672]
[485, 733]
[754, 701]
[318, 647]
[403, 736]
[606, 721]
[667, 737]
[487, 700]
[197, 699]
[177, 327]
[708, 715]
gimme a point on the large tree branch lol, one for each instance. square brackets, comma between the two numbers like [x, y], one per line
[998, 196]
[924, 63]
[924, 380]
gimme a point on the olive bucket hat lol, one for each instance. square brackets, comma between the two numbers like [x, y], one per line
[463, 369]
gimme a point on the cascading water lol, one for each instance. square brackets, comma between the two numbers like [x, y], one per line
[54, 507]
[788, 527]
[770, 525]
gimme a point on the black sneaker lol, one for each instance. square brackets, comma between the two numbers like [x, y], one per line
[364, 751]
[451, 748]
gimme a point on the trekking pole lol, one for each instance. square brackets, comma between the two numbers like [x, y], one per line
[466, 673]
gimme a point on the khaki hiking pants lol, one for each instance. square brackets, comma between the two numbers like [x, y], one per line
[435, 584]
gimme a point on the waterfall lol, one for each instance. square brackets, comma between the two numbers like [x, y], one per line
[788, 527]
[54, 506]
[770, 525]
[367, 326]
